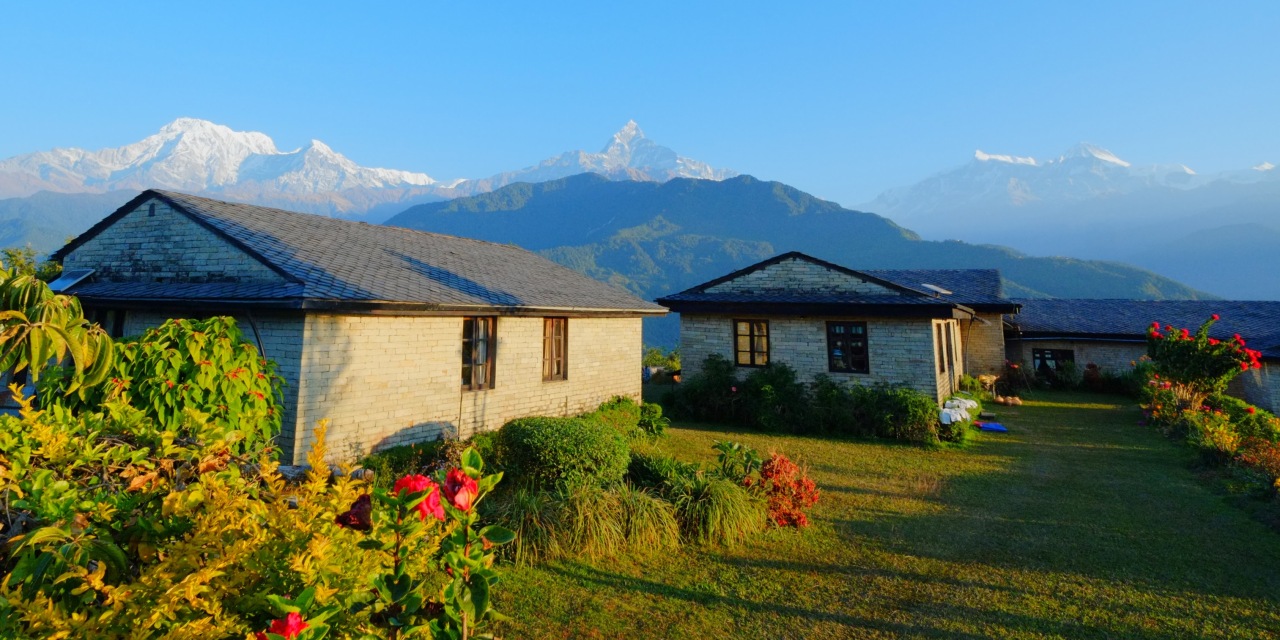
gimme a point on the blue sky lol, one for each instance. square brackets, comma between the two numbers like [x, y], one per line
[841, 99]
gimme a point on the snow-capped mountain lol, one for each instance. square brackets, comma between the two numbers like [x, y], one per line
[999, 182]
[199, 156]
[629, 155]
[1090, 203]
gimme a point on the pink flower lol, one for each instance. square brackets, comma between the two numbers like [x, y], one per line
[460, 489]
[733, 389]
[416, 483]
[289, 627]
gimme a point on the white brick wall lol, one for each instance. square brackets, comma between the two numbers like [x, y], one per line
[385, 381]
[165, 247]
[1111, 357]
[901, 351]
[984, 345]
[795, 274]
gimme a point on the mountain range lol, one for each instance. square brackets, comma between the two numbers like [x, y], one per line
[1213, 231]
[655, 221]
[198, 156]
[656, 238]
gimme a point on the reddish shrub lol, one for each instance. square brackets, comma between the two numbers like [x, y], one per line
[1263, 456]
[789, 491]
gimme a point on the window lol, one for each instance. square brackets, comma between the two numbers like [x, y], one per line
[751, 343]
[555, 337]
[951, 355]
[478, 339]
[938, 348]
[847, 347]
[111, 321]
[1048, 361]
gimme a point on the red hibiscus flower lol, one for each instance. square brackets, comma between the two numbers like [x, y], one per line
[289, 627]
[1216, 317]
[460, 489]
[359, 517]
[1251, 410]
[416, 483]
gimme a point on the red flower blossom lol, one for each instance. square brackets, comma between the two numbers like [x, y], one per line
[289, 627]
[359, 517]
[733, 389]
[1213, 341]
[1216, 317]
[460, 489]
[1186, 335]
[416, 483]
[1251, 410]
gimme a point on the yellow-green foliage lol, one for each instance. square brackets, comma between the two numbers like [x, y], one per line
[247, 535]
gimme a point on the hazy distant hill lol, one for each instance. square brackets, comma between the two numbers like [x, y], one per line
[45, 220]
[657, 238]
[1212, 231]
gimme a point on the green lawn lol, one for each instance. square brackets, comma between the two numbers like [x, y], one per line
[1076, 524]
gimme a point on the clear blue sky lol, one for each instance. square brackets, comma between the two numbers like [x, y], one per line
[842, 99]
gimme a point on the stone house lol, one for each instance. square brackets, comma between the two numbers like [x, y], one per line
[918, 328]
[393, 335]
[1113, 333]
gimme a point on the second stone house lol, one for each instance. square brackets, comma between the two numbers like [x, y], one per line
[917, 328]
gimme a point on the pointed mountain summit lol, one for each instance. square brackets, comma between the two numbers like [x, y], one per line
[628, 155]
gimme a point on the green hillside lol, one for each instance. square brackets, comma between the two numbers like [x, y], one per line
[657, 238]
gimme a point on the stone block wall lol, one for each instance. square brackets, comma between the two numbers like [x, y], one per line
[1259, 386]
[901, 351]
[385, 381]
[154, 243]
[1111, 357]
[800, 275]
[984, 345]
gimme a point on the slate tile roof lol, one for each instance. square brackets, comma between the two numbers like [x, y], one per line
[973, 288]
[1258, 322]
[967, 286]
[328, 259]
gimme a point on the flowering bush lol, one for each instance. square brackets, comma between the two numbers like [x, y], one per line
[789, 491]
[1211, 431]
[1263, 456]
[1196, 365]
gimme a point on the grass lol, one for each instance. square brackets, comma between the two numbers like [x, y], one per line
[1076, 524]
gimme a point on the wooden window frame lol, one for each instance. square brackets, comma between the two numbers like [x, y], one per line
[478, 377]
[951, 354]
[555, 349]
[755, 356]
[832, 337]
[940, 349]
[1052, 355]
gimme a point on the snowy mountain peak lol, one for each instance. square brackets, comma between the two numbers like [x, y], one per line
[625, 138]
[1088, 151]
[980, 156]
[1265, 166]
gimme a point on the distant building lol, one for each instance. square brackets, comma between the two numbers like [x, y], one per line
[393, 335]
[918, 328]
[1113, 333]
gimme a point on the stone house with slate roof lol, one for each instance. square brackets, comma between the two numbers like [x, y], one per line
[919, 328]
[1113, 333]
[393, 335]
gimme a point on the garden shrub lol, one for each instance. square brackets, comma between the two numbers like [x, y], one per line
[713, 510]
[832, 409]
[1196, 365]
[652, 469]
[909, 415]
[737, 461]
[1211, 431]
[546, 452]
[205, 366]
[652, 422]
[619, 413]
[770, 398]
[649, 522]
[392, 463]
[1248, 420]
[1263, 456]
[789, 491]
[711, 395]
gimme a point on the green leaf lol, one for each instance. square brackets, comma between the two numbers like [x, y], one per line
[497, 535]
[472, 463]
